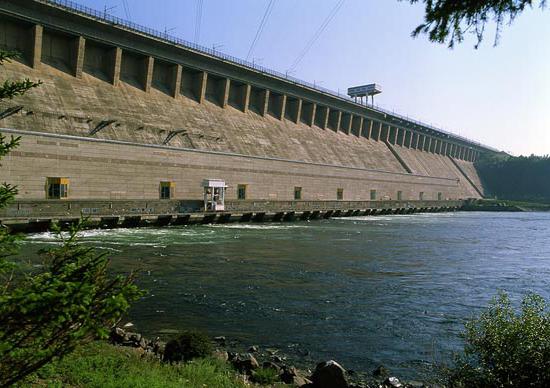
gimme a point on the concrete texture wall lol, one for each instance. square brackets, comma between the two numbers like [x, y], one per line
[64, 104]
[425, 163]
[79, 106]
[201, 124]
[110, 170]
[55, 19]
[469, 170]
[41, 211]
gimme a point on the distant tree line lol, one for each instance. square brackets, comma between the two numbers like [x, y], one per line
[523, 178]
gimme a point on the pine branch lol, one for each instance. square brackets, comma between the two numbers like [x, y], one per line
[11, 89]
[447, 21]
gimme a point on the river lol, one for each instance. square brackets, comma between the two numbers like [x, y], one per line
[392, 290]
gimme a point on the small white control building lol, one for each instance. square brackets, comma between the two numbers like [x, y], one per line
[214, 194]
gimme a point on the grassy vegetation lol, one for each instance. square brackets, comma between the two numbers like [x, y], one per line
[528, 205]
[525, 205]
[265, 376]
[103, 365]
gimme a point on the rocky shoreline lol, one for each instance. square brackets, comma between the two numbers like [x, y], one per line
[326, 374]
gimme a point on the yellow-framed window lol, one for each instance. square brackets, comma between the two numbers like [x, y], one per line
[57, 188]
[167, 190]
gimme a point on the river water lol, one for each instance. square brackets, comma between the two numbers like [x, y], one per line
[392, 290]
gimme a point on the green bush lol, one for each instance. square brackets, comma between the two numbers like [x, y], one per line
[504, 348]
[187, 346]
[265, 376]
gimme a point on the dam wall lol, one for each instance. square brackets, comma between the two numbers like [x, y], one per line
[65, 105]
[41, 215]
[108, 169]
[426, 163]
[470, 172]
[122, 111]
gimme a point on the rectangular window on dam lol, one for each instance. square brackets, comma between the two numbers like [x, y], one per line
[167, 190]
[373, 195]
[339, 194]
[241, 191]
[399, 195]
[421, 196]
[440, 196]
[57, 188]
[297, 193]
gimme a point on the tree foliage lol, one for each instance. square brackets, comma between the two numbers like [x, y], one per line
[506, 349]
[70, 300]
[10, 89]
[448, 20]
[523, 178]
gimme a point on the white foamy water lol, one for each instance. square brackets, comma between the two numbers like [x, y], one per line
[258, 226]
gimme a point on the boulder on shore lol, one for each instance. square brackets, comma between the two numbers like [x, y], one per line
[244, 363]
[392, 382]
[329, 374]
[381, 371]
[291, 375]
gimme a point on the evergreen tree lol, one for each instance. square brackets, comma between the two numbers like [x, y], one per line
[71, 300]
[516, 178]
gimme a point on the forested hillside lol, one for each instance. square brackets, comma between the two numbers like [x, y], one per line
[516, 178]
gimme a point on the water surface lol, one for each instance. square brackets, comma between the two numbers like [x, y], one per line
[392, 290]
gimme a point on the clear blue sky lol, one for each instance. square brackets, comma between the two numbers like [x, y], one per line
[499, 96]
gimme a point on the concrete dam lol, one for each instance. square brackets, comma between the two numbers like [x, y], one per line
[131, 126]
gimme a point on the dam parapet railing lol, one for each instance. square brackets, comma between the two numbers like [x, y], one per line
[38, 215]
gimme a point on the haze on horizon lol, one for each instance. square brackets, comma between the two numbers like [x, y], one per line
[499, 96]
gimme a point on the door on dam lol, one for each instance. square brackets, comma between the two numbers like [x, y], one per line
[214, 194]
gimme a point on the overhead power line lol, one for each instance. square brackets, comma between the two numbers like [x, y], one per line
[267, 13]
[126, 9]
[317, 34]
[198, 20]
